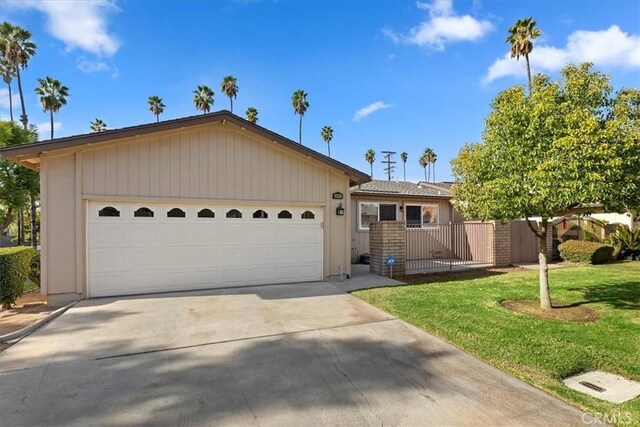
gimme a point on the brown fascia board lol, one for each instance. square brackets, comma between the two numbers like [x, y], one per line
[16, 153]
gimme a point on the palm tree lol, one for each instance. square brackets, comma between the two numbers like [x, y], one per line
[7, 71]
[252, 115]
[230, 88]
[370, 157]
[17, 49]
[203, 98]
[53, 96]
[520, 37]
[156, 106]
[428, 156]
[98, 125]
[300, 105]
[434, 157]
[327, 135]
[423, 162]
[404, 156]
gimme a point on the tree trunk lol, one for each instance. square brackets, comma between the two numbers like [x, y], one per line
[20, 227]
[10, 103]
[526, 56]
[8, 219]
[425, 173]
[231, 99]
[23, 117]
[157, 118]
[545, 299]
[51, 120]
[404, 171]
[300, 130]
[434, 172]
[34, 222]
[371, 164]
[329, 148]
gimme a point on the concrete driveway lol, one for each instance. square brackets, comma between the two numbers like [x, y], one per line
[305, 354]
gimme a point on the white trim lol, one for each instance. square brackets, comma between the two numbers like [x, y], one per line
[360, 203]
[422, 205]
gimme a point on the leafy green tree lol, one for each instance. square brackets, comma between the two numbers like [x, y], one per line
[53, 96]
[404, 156]
[541, 155]
[300, 105]
[252, 115]
[230, 88]
[156, 106]
[7, 70]
[97, 125]
[327, 136]
[520, 38]
[17, 49]
[370, 157]
[203, 98]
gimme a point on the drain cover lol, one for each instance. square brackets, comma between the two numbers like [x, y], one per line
[603, 385]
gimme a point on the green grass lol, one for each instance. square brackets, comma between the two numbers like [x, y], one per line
[467, 313]
[29, 285]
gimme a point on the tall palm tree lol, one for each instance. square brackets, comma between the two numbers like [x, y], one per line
[404, 156]
[434, 157]
[428, 156]
[53, 96]
[156, 106]
[203, 98]
[252, 115]
[230, 88]
[17, 49]
[97, 125]
[300, 105]
[370, 157]
[8, 72]
[520, 38]
[327, 135]
[423, 162]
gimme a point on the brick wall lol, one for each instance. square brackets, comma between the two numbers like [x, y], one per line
[501, 248]
[387, 238]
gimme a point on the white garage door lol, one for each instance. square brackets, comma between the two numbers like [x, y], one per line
[144, 248]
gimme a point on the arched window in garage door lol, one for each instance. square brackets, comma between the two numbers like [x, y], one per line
[308, 215]
[109, 211]
[284, 214]
[176, 213]
[206, 213]
[260, 214]
[234, 213]
[143, 212]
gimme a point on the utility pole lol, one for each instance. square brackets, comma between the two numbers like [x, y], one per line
[390, 164]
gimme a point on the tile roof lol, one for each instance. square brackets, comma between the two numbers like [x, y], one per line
[401, 188]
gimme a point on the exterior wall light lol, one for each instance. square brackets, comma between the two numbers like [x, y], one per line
[340, 210]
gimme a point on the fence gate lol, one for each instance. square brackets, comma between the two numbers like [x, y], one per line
[524, 244]
[448, 246]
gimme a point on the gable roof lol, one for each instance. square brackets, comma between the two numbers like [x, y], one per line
[380, 187]
[18, 153]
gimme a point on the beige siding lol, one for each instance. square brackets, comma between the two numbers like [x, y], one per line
[216, 162]
[360, 238]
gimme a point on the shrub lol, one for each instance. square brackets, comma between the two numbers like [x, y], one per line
[585, 252]
[626, 242]
[34, 268]
[14, 270]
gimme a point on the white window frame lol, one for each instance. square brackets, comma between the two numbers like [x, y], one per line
[360, 227]
[422, 205]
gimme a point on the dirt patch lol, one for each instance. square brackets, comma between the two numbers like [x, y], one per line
[448, 276]
[29, 308]
[561, 312]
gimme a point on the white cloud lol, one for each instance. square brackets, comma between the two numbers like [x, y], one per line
[4, 99]
[369, 109]
[44, 130]
[87, 66]
[609, 48]
[79, 24]
[442, 26]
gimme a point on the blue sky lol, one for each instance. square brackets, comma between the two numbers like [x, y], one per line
[421, 74]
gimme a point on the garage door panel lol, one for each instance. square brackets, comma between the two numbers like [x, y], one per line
[129, 255]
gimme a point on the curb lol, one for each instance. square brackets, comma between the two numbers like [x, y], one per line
[15, 335]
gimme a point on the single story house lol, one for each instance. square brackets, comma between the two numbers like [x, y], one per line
[419, 204]
[197, 202]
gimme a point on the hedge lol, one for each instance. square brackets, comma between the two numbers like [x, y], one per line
[34, 268]
[585, 252]
[14, 269]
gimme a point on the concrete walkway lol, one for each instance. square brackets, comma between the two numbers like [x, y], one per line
[361, 278]
[306, 354]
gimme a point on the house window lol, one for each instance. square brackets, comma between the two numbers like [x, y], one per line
[108, 211]
[143, 213]
[206, 213]
[260, 214]
[421, 215]
[284, 215]
[373, 211]
[307, 215]
[176, 213]
[234, 213]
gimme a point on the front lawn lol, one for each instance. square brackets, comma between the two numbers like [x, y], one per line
[467, 312]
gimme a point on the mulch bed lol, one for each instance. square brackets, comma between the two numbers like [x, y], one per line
[28, 309]
[561, 312]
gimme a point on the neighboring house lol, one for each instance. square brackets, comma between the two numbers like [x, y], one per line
[420, 205]
[198, 202]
